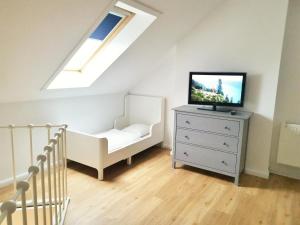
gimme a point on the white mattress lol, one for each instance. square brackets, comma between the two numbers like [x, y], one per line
[118, 138]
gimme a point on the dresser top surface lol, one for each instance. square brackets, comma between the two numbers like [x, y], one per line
[244, 115]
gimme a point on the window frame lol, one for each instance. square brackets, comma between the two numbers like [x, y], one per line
[126, 17]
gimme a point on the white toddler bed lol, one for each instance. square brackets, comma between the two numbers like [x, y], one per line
[141, 127]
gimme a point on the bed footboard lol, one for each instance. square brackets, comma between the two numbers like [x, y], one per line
[103, 155]
[87, 149]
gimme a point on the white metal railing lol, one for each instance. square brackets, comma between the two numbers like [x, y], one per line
[46, 177]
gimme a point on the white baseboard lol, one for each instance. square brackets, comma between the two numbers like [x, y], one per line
[8, 181]
[257, 173]
[289, 174]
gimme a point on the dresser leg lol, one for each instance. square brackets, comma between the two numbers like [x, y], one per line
[173, 164]
[236, 180]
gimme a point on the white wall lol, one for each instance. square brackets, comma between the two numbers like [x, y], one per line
[160, 82]
[288, 102]
[232, 38]
[87, 114]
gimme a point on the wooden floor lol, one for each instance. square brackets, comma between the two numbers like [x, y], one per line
[151, 192]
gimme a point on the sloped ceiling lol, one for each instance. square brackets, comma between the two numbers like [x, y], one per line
[36, 36]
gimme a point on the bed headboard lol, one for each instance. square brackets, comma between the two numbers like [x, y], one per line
[144, 109]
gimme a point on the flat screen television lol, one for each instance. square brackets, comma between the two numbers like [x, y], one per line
[217, 89]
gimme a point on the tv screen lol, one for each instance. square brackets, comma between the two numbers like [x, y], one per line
[207, 88]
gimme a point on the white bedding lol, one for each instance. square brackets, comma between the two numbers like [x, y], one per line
[120, 138]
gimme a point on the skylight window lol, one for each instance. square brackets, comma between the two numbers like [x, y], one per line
[114, 34]
[93, 43]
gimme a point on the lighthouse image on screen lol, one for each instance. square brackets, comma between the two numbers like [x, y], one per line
[218, 89]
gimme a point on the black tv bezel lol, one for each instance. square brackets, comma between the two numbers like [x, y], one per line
[218, 74]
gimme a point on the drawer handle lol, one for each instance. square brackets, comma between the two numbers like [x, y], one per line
[225, 163]
[187, 122]
[225, 144]
[227, 128]
[186, 154]
[187, 137]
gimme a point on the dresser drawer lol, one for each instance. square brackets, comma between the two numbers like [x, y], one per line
[205, 157]
[227, 127]
[207, 140]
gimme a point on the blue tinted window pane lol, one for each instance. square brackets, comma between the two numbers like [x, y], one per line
[105, 27]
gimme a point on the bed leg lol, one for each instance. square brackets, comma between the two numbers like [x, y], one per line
[100, 174]
[129, 161]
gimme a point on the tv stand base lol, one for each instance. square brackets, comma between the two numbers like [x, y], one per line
[214, 108]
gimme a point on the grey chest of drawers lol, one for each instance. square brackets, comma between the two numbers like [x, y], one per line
[211, 140]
